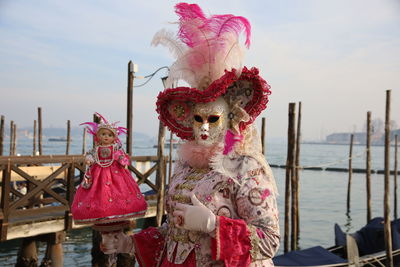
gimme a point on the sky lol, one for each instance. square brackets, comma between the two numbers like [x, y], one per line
[338, 57]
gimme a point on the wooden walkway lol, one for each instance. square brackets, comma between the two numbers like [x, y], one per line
[50, 187]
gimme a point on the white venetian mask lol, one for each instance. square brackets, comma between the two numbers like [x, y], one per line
[210, 122]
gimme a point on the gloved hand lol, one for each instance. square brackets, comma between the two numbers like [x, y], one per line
[116, 242]
[196, 217]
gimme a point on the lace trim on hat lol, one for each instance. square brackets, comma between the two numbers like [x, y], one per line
[260, 88]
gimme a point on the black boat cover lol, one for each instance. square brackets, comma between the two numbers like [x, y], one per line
[308, 257]
[371, 238]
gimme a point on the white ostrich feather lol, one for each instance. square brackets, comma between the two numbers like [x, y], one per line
[169, 40]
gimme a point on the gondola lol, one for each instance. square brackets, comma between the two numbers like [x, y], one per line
[365, 247]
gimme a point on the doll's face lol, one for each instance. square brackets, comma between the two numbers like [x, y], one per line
[105, 137]
[210, 122]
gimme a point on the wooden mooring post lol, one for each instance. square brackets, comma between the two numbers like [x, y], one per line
[11, 137]
[129, 113]
[293, 185]
[289, 169]
[15, 139]
[97, 120]
[387, 225]
[5, 200]
[160, 177]
[350, 172]
[34, 138]
[54, 256]
[297, 177]
[263, 135]
[84, 142]
[40, 133]
[28, 253]
[395, 174]
[368, 166]
[68, 137]
[2, 135]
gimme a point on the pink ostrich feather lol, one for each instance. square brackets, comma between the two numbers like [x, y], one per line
[205, 46]
[122, 130]
[191, 21]
[196, 28]
[225, 24]
[91, 127]
[189, 11]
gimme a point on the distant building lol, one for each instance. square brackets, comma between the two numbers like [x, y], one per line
[360, 138]
[344, 138]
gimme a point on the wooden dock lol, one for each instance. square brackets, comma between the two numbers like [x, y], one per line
[43, 208]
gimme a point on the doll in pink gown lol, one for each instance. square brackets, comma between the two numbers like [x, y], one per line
[108, 195]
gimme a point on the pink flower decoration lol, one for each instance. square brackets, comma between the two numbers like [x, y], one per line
[124, 161]
[230, 181]
[208, 198]
[265, 194]
[121, 157]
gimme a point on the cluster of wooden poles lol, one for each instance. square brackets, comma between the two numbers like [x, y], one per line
[38, 130]
[292, 162]
[37, 144]
[387, 173]
[292, 178]
[369, 171]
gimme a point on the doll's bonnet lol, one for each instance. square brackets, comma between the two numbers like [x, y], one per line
[93, 127]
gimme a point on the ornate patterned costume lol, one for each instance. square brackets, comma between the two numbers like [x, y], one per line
[221, 201]
[247, 230]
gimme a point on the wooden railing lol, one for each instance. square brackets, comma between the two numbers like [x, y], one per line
[49, 192]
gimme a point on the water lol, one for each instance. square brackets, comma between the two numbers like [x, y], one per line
[322, 195]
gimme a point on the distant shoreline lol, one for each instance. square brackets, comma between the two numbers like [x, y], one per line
[341, 144]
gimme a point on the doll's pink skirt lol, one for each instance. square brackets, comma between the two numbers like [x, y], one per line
[113, 196]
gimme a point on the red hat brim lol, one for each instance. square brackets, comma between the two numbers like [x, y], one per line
[175, 105]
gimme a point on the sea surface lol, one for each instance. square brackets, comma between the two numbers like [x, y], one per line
[322, 194]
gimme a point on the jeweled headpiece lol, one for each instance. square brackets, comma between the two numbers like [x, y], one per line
[93, 127]
[209, 58]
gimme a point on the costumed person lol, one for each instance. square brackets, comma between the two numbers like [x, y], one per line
[108, 194]
[221, 201]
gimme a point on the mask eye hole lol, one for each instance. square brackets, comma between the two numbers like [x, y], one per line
[213, 118]
[198, 118]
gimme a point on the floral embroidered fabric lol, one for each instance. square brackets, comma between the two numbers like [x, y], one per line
[247, 231]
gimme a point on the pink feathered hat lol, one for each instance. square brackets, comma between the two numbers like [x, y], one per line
[209, 58]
